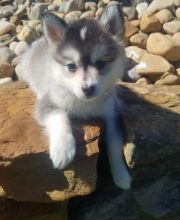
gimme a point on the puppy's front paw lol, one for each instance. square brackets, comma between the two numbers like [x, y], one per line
[63, 151]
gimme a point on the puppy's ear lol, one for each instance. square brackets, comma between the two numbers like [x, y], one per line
[112, 20]
[54, 28]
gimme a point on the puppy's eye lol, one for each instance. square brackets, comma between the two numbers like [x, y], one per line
[100, 64]
[72, 67]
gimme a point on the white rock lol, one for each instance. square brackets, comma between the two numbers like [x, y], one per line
[5, 80]
[5, 27]
[21, 47]
[140, 8]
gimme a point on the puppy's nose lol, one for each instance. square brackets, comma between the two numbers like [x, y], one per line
[88, 90]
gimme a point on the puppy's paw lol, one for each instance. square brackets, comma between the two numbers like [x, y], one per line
[122, 180]
[62, 153]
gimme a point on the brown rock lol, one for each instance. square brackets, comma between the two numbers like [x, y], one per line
[5, 27]
[168, 79]
[26, 170]
[164, 16]
[153, 65]
[149, 23]
[130, 29]
[6, 70]
[143, 81]
[26, 34]
[139, 40]
[135, 23]
[163, 45]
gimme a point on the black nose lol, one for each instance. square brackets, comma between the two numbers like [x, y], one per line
[88, 91]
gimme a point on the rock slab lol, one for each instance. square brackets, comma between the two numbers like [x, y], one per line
[26, 170]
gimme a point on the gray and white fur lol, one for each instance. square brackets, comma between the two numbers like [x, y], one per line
[73, 70]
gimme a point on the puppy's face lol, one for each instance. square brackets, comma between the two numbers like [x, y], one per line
[88, 60]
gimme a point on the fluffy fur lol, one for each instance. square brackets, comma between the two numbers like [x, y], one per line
[73, 69]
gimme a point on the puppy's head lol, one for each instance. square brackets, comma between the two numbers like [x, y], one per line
[88, 58]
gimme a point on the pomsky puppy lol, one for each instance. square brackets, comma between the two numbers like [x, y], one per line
[73, 70]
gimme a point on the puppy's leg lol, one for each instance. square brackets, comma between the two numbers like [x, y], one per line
[118, 166]
[61, 140]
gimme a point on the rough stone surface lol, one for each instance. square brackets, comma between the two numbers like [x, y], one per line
[130, 29]
[154, 161]
[165, 46]
[26, 34]
[178, 13]
[24, 159]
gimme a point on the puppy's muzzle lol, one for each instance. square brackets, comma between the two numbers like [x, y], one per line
[88, 91]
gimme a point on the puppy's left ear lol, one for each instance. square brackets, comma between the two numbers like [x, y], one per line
[112, 19]
[54, 28]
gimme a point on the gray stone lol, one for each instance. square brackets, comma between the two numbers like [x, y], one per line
[140, 8]
[73, 16]
[12, 45]
[35, 13]
[160, 199]
[7, 10]
[91, 6]
[71, 5]
[87, 14]
[6, 54]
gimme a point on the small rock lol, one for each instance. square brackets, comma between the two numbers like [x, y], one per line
[26, 34]
[20, 11]
[21, 47]
[177, 3]
[15, 20]
[71, 5]
[164, 16]
[6, 55]
[5, 80]
[143, 81]
[19, 27]
[5, 37]
[39, 30]
[7, 10]
[91, 6]
[33, 23]
[53, 7]
[178, 13]
[168, 79]
[35, 13]
[100, 4]
[135, 53]
[129, 29]
[136, 23]
[87, 14]
[5, 27]
[172, 27]
[149, 23]
[6, 70]
[178, 71]
[163, 45]
[73, 16]
[106, 1]
[12, 45]
[99, 11]
[153, 65]
[130, 12]
[158, 5]
[140, 8]
[139, 40]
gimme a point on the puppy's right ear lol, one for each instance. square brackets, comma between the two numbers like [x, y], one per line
[54, 28]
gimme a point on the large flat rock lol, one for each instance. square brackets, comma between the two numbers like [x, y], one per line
[26, 172]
